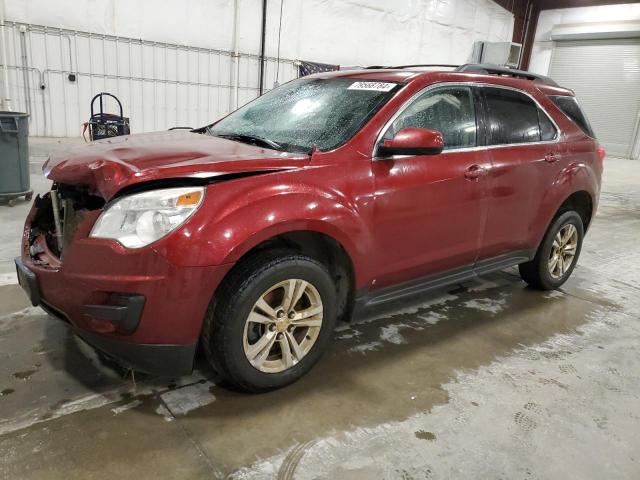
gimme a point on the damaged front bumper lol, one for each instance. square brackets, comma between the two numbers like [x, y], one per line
[133, 305]
[165, 360]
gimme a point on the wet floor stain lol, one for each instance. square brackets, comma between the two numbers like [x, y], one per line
[59, 404]
[127, 406]
[24, 375]
[424, 435]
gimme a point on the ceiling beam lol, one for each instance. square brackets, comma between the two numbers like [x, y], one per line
[553, 4]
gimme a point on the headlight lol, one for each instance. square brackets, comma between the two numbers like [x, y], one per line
[142, 218]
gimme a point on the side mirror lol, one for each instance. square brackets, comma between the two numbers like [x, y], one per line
[413, 141]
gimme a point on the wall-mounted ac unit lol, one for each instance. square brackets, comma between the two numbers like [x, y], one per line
[497, 53]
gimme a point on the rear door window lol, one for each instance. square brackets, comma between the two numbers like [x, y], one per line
[547, 128]
[512, 117]
[570, 107]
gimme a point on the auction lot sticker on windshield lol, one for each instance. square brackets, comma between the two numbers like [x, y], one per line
[376, 86]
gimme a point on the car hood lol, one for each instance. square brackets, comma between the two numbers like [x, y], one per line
[107, 166]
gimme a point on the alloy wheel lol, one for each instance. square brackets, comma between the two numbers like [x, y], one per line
[563, 251]
[283, 325]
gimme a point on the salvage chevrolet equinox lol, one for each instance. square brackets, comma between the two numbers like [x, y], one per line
[252, 236]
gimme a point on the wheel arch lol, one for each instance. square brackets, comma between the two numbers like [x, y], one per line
[581, 202]
[317, 244]
[576, 186]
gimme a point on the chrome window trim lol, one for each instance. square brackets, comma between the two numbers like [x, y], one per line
[433, 86]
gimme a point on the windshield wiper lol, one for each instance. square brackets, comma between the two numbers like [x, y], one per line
[241, 137]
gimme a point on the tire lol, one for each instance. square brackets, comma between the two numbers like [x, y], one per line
[538, 273]
[229, 338]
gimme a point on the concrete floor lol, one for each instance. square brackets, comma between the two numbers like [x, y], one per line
[489, 379]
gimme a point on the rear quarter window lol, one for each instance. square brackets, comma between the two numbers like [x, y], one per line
[569, 105]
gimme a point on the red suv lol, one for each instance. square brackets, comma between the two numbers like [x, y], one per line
[251, 236]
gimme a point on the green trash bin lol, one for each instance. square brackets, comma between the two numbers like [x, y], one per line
[14, 157]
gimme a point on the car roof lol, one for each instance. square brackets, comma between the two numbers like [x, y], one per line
[445, 74]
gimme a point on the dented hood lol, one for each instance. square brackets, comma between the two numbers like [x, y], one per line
[107, 166]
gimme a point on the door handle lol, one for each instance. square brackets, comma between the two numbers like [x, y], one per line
[551, 158]
[473, 172]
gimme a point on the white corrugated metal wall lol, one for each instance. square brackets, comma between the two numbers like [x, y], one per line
[164, 84]
[161, 85]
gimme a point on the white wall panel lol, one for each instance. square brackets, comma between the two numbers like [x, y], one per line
[170, 62]
[160, 85]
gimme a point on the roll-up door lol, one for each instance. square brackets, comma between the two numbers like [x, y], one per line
[605, 74]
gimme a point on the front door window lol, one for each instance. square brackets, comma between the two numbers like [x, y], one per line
[449, 110]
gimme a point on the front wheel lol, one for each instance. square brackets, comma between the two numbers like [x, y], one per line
[557, 255]
[271, 320]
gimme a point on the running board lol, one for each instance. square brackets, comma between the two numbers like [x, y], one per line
[433, 282]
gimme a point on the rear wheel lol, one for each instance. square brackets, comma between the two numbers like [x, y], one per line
[271, 321]
[557, 255]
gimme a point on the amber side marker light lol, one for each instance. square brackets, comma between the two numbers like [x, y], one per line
[188, 199]
[601, 153]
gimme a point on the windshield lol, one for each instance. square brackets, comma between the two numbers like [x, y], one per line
[306, 112]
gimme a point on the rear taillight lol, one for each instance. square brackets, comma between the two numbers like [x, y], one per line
[601, 153]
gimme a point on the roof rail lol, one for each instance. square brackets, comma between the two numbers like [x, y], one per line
[490, 69]
[428, 65]
[410, 66]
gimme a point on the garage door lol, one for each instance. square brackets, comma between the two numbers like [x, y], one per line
[605, 74]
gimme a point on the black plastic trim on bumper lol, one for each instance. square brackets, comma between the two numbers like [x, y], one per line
[154, 359]
[123, 310]
[161, 360]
